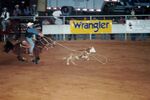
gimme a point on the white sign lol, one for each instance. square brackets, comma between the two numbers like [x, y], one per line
[138, 26]
[56, 29]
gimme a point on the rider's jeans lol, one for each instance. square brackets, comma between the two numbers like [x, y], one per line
[31, 42]
[4, 24]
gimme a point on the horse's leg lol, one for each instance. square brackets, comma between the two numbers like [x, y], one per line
[20, 53]
[20, 58]
[37, 60]
[36, 55]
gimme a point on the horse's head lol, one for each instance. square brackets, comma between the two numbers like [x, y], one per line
[8, 46]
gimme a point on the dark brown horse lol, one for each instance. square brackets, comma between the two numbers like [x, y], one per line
[20, 48]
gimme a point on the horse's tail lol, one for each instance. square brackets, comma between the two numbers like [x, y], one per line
[8, 46]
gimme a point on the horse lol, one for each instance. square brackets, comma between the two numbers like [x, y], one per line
[20, 48]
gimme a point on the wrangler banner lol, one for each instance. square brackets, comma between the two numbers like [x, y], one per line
[90, 26]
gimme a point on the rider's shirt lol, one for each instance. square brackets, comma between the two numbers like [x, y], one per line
[30, 32]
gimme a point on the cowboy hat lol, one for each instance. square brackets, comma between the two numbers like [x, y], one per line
[29, 24]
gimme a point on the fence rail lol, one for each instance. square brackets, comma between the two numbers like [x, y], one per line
[116, 19]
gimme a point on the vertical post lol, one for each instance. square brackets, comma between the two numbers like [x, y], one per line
[90, 33]
[64, 37]
[126, 36]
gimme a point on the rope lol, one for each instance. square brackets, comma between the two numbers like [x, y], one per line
[103, 62]
[101, 56]
[60, 44]
[46, 40]
[65, 47]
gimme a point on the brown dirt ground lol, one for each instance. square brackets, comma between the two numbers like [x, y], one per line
[126, 75]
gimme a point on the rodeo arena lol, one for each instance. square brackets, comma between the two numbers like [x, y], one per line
[75, 50]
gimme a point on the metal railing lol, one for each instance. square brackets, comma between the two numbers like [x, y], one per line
[121, 19]
[116, 19]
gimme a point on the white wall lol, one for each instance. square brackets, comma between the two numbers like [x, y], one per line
[65, 29]
[56, 29]
[138, 26]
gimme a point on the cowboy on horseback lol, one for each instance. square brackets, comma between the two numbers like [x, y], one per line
[30, 32]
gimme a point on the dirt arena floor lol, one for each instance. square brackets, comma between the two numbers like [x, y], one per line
[126, 75]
